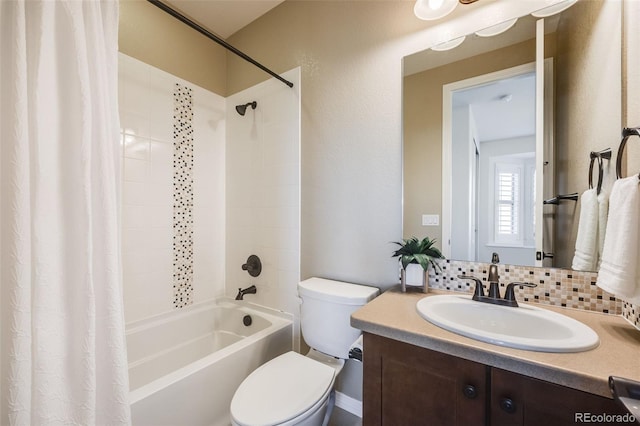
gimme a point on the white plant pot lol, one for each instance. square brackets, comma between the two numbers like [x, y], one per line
[414, 274]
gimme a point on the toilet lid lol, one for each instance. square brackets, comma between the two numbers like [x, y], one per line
[281, 390]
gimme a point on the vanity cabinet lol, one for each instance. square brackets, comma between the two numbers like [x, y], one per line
[408, 385]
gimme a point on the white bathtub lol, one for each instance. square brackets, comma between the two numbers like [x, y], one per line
[184, 366]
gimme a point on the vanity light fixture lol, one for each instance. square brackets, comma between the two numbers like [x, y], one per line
[553, 9]
[429, 10]
[496, 29]
[452, 44]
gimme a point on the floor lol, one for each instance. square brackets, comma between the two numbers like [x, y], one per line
[340, 417]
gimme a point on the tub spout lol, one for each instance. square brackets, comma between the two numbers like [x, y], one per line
[248, 290]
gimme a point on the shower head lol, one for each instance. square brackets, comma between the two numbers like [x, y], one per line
[242, 109]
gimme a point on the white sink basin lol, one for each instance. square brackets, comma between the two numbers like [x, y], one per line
[525, 327]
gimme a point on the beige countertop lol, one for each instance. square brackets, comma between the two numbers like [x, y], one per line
[393, 314]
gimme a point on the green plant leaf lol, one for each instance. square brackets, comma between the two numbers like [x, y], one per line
[423, 260]
[422, 252]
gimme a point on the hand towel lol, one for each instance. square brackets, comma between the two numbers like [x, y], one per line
[619, 269]
[585, 256]
[603, 214]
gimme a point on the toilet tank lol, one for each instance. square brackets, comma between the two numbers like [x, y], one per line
[325, 313]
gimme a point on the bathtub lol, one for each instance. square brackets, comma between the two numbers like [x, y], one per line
[184, 366]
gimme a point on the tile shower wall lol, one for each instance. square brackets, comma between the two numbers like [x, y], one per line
[182, 196]
[173, 183]
[263, 193]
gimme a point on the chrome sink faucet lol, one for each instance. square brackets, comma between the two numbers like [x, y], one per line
[494, 289]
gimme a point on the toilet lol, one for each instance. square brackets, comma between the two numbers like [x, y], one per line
[294, 389]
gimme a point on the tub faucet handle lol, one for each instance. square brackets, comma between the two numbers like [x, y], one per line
[253, 266]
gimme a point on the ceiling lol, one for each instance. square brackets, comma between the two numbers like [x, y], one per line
[503, 109]
[223, 17]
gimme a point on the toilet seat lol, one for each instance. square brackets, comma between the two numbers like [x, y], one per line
[282, 389]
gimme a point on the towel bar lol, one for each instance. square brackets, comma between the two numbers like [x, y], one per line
[606, 154]
[558, 198]
[627, 132]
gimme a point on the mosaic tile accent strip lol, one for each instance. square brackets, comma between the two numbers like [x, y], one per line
[182, 196]
[558, 287]
[631, 313]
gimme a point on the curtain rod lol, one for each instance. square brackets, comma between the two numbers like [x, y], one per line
[215, 38]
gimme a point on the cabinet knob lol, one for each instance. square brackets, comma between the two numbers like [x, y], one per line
[470, 391]
[508, 405]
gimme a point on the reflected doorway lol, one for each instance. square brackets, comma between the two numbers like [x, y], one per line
[489, 125]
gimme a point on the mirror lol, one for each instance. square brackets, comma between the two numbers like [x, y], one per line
[582, 114]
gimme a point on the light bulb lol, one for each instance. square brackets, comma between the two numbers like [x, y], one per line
[435, 4]
[429, 10]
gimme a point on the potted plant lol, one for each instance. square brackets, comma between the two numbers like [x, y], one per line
[413, 251]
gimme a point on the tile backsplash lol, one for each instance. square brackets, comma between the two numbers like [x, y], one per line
[631, 313]
[558, 287]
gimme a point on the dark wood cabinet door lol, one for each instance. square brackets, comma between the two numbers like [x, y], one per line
[405, 385]
[408, 385]
[521, 400]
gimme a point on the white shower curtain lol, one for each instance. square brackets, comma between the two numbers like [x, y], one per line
[63, 348]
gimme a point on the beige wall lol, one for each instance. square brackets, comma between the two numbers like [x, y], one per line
[154, 37]
[588, 106]
[422, 155]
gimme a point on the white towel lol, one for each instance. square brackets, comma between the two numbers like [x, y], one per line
[586, 253]
[620, 266]
[603, 214]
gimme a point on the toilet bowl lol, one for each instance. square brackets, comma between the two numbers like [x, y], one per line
[294, 389]
[291, 389]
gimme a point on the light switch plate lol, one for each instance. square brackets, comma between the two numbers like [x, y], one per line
[430, 219]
